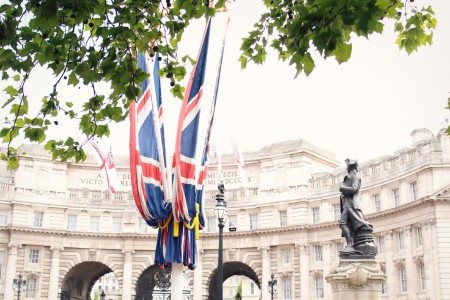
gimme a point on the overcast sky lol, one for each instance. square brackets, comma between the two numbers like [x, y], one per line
[364, 109]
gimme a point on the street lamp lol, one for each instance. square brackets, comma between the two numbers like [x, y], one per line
[19, 285]
[220, 212]
[272, 287]
[102, 295]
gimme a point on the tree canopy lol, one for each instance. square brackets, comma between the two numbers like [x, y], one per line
[90, 42]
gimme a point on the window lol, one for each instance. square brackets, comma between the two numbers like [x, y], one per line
[232, 221]
[253, 221]
[396, 197]
[95, 223]
[38, 219]
[142, 226]
[31, 288]
[403, 283]
[212, 224]
[419, 236]
[318, 253]
[422, 277]
[316, 215]
[2, 256]
[377, 202]
[117, 224]
[413, 186]
[72, 222]
[337, 211]
[381, 244]
[283, 217]
[33, 256]
[287, 289]
[252, 288]
[401, 241]
[286, 256]
[318, 285]
[3, 217]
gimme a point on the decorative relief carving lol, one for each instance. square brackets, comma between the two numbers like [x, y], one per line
[281, 180]
[128, 254]
[303, 247]
[13, 248]
[399, 263]
[265, 251]
[92, 254]
[418, 260]
[41, 182]
[316, 273]
[232, 254]
[56, 251]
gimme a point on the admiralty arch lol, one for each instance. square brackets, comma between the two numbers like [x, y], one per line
[62, 230]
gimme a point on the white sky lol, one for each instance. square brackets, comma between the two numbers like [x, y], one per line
[364, 109]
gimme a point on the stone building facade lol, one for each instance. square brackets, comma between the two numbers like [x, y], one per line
[62, 229]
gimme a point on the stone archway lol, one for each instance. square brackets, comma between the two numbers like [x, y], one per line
[146, 283]
[231, 269]
[78, 282]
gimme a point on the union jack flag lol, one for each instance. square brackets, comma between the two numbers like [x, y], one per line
[147, 150]
[184, 162]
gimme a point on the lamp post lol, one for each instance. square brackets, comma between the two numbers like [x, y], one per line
[19, 285]
[272, 286]
[220, 212]
[102, 295]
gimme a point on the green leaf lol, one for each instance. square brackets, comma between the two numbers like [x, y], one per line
[308, 64]
[343, 52]
[35, 134]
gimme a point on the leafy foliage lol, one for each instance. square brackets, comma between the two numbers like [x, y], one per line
[296, 29]
[88, 42]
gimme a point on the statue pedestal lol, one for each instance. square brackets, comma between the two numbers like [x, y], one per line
[356, 279]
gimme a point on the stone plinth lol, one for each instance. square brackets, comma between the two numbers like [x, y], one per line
[356, 279]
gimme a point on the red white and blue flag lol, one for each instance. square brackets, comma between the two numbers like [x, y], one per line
[106, 164]
[186, 140]
[145, 149]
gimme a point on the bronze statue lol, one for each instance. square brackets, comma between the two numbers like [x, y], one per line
[358, 233]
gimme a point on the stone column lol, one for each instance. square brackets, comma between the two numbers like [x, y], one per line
[127, 273]
[356, 279]
[198, 275]
[11, 269]
[266, 271]
[304, 271]
[326, 263]
[392, 282]
[411, 270]
[54, 273]
[430, 260]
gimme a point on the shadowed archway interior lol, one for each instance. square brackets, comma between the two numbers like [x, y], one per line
[80, 279]
[231, 269]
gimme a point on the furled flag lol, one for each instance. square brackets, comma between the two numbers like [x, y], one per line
[185, 208]
[146, 150]
[206, 146]
[239, 159]
[106, 164]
